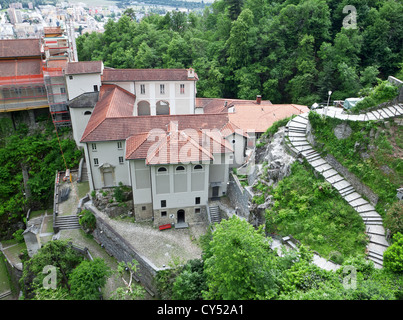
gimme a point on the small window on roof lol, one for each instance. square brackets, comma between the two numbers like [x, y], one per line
[162, 170]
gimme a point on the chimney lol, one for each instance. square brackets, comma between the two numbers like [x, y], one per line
[258, 99]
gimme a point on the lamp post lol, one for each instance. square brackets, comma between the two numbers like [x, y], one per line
[328, 100]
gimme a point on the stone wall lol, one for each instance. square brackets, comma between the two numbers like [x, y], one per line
[355, 182]
[192, 216]
[122, 250]
[238, 196]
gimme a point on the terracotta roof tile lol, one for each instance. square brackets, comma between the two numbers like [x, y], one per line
[14, 48]
[258, 118]
[84, 67]
[114, 75]
[219, 105]
[23, 67]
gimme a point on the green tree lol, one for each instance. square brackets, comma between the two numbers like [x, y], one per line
[393, 256]
[191, 282]
[238, 263]
[88, 278]
[131, 290]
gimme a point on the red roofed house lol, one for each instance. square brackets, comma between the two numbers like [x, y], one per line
[145, 128]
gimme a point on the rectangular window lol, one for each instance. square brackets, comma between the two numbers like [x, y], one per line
[96, 161]
[143, 208]
[197, 210]
[63, 90]
[163, 203]
[163, 213]
[182, 89]
[142, 88]
[95, 88]
[71, 77]
[162, 88]
[120, 145]
[197, 200]
[94, 146]
[121, 161]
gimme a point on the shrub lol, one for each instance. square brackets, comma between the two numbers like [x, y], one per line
[88, 220]
[394, 218]
[393, 256]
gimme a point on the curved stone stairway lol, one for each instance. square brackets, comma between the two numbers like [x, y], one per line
[296, 139]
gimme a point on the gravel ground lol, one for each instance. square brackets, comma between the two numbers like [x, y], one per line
[161, 247]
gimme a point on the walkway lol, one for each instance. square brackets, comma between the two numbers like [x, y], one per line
[297, 141]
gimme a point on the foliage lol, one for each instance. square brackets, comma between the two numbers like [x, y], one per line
[55, 253]
[393, 256]
[377, 143]
[87, 278]
[276, 125]
[191, 282]
[88, 220]
[131, 290]
[238, 264]
[38, 152]
[314, 213]
[287, 51]
[18, 235]
[394, 218]
[383, 92]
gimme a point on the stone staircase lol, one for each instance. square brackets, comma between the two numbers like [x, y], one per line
[67, 222]
[297, 141]
[84, 172]
[215, 214]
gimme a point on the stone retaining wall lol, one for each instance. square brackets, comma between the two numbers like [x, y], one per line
[355, 182]
[122, 250]
[238, 196]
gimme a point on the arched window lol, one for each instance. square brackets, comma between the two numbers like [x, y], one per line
[162, 170]
[87, 113]
[180, 169]
[198, 167]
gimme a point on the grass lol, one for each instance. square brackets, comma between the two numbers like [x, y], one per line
[312, 211]
[382, 171]
[4, 278]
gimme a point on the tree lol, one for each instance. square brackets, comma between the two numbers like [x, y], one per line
[131, 290]
[88, 278]
[393, 256]
[238, 263]
[191, 282]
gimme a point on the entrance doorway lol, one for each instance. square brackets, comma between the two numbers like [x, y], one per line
[181, 216]
[215, 192]
[108, 179]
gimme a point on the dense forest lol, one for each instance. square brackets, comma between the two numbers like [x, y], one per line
[287, 51]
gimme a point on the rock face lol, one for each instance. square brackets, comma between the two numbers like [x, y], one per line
[105, 201]
[278, 160]
[276, 166]
[342, 131]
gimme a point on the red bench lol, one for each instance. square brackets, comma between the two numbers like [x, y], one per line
[165, 226]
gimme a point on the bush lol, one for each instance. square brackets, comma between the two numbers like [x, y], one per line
[88, 220]
[394, 218]
[393, 256]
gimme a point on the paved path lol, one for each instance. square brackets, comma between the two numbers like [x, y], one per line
[297, 141]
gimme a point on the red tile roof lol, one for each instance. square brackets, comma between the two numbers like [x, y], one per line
[23, 67]
[83, 67]
[218, 105]
[115, 75]
[258, 118]
[16, 48]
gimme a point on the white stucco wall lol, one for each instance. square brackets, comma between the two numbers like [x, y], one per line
[79, 121]
[81, 83]
[180, 199]
[107, 153]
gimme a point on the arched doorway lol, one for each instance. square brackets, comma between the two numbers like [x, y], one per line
[181, 216]
[143, 108]
[162, 108]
